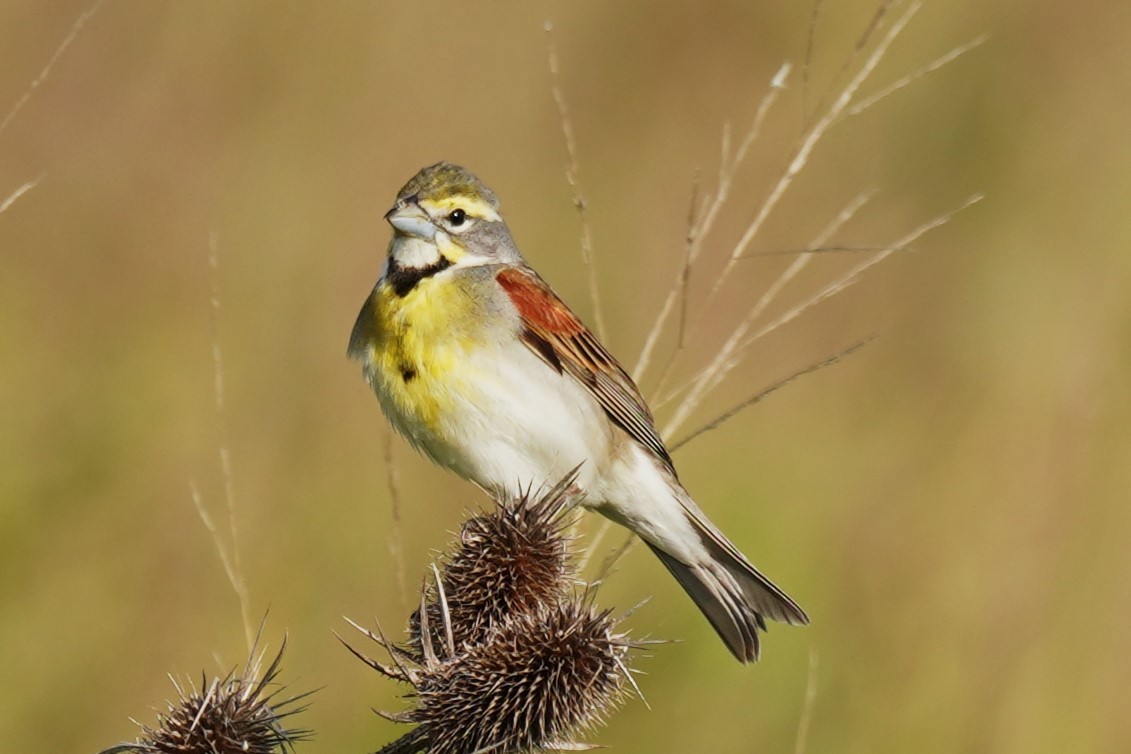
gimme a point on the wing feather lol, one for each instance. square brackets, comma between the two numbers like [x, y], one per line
[560, 339]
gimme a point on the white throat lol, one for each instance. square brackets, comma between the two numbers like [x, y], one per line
[413, 253]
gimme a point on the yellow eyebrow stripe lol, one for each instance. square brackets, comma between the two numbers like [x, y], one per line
[473, 207]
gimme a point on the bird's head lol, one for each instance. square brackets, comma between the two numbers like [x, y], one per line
[446, 216]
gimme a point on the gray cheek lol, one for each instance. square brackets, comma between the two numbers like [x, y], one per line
[494, 240]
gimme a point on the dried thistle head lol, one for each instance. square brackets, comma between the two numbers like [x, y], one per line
[511, 559]
[231, 715]
[541, 677]
[506, 653]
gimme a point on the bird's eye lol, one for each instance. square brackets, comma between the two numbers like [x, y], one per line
[457, 217]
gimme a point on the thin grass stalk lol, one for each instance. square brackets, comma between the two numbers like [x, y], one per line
[853, 274]
[712, 375]
[914, 76]
[20, 191]
[76, 27]
[808, 143]
[573, 177]
[236, 573]
[727, 171]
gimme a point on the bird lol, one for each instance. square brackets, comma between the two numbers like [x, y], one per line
[483, 368]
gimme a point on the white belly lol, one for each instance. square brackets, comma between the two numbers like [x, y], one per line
[515, 423]
[512, 423]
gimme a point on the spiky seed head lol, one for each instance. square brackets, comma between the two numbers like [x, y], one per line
[513, 657]
[509, 560]
[230, 715]
[540, 677]
[445, 180]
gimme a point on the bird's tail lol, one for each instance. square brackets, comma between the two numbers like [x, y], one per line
[732, 594]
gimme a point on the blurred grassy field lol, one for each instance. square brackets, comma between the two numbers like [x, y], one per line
[949, 505]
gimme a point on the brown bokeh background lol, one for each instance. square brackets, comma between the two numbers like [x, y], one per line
[950, 504]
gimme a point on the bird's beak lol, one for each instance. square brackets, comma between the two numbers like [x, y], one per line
[411, 220]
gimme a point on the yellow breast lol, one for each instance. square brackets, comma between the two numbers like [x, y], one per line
[414, 348]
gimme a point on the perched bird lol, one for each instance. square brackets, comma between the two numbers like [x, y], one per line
[480, 365]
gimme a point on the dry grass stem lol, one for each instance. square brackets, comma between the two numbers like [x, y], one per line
[911, 78]
[694, 212]
[871, 47]
[765, 392]
[800, 159]
[809, 142]
[730, 355]
[235, 578]
[814, 15]
[877, 18]
[814, 250]
[728, 168]
[853, 274]
[806, 718]
[727, 356]
[76, 27]
[230, 550]
[8, 202]
[614, 557]
[593, 544]
[573, 177]
[858, 48]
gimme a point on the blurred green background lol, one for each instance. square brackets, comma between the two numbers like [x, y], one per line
[949, 504]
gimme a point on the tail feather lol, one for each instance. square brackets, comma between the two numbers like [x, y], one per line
[730, 592]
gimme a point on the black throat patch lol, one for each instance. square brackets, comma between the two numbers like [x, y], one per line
[404, 279]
